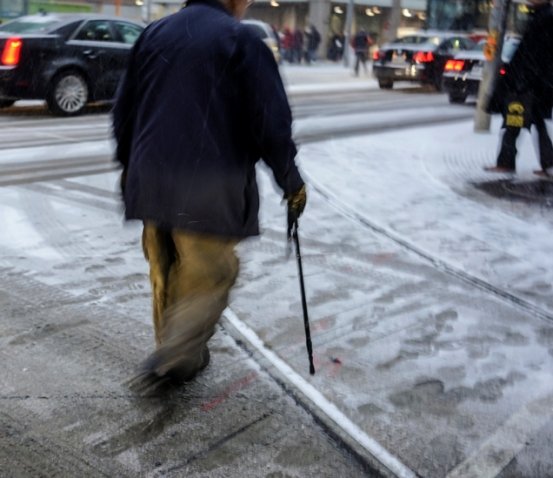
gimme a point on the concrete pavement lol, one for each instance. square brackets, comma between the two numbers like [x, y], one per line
[421, 369]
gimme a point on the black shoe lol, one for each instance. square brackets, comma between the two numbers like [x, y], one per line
[544, 173]
[148, 382]
[499, 169]
[179, 376]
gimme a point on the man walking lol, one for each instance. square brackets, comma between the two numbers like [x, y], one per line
[528, 91]
[360, 44]
[201, 103]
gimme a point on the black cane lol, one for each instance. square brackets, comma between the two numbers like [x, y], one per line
[303, 300]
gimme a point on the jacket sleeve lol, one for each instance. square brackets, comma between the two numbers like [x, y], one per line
[525, 69]
[123, 112]
[268, 111]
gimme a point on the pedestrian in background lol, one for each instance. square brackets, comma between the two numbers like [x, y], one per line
[298, 45]
[360, 44]
[525, 94]
[202, 101]
[288, 45]
[336, 47]
[312, 40]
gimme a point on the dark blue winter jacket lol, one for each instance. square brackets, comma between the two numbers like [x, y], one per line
[201, 103]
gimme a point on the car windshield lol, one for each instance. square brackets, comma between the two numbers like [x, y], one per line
[418, 40]
[30, 25]
[478, 46]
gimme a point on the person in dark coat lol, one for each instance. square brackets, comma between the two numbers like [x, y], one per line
[201, 102]
[298, 45]
[313, 39]
[527, 91]
[360, 44]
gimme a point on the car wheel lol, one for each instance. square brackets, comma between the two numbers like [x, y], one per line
[6, 103]
[68, 94]
[386, 84]
[457, 98]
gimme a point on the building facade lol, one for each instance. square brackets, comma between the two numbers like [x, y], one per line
[329, 16]
[473, 15]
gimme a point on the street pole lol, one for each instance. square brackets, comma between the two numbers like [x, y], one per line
[492, 50]
[348, 33]
[148, 11]
[394, 21]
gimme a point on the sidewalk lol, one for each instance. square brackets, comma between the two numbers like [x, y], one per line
[430, 301]
[430, 306]
[323, 77]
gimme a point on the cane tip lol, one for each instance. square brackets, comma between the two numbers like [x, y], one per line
[312, 369]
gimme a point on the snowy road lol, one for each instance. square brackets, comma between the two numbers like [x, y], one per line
[35, 146]
[418, 368]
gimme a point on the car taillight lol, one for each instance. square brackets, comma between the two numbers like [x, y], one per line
[376, 55]
[502, 71]
[423, 57]
[11, 52]
[454, 65]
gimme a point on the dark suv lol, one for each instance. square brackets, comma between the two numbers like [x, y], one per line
[66, 59]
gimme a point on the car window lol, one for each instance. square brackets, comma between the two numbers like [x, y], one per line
[478, 46]
[127, 31]
[446, 45]
[30, 25]
[95, 30]
[456, 44]
[466, 43]
[417, 40]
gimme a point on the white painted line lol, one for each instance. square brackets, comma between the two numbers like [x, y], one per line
[319, 400]
[506, 442]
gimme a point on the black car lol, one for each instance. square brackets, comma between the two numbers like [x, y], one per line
[66, 59]
[419, 58]
[463, 73]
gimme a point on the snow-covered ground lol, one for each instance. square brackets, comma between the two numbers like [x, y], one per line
[430, 301]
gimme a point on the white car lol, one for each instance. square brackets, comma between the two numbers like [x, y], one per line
[266, 33]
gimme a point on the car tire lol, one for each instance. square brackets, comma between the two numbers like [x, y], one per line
[386, 84]
[6, 103]
[68, 94]
[457, 98]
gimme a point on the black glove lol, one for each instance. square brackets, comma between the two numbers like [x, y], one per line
[296, 205]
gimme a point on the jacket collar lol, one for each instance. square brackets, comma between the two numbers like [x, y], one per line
[212, 3]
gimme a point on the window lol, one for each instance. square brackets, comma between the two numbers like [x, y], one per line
[127, 31]
[95, 30]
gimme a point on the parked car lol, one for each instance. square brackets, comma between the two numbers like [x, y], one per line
[419, 58]
[66, 59]
[267, 34]
[463, 73]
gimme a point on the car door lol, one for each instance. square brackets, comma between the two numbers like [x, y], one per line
[95, 46]
[126, 34]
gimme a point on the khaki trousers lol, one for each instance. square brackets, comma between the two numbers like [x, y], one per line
[191, 276]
